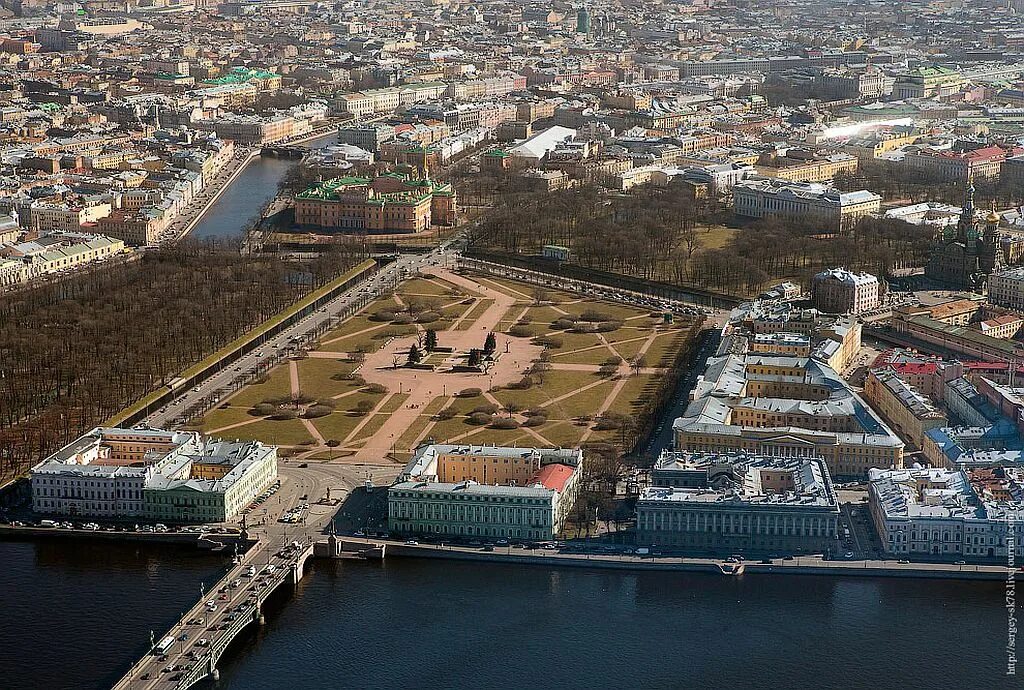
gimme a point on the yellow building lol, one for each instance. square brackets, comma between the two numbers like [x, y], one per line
[910, 413]
[388, 203]
[60, 251]
[785, 406]
[821, 169]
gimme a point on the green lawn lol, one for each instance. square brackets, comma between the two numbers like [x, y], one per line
[405, 441]
[613, 311]
[287, 432]
[358, 323]
[368, 342]
[421, 287]
[394, 402]
[562, 433]
[337, 425]
[218, 418]
[278, 384]
[628, 349]
[544, 315]
[595, 356]
[375, 422]
[716, 236]
[573, 341]
[584, 403]
[315, 376]
[556, 384]
[663, 350]
[636, 389]
[474, 313]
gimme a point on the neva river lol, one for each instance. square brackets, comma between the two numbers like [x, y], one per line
[77, 613]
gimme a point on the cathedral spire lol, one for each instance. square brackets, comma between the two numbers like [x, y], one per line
[966, 224]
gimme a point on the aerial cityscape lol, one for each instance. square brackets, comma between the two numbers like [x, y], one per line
[511, 343]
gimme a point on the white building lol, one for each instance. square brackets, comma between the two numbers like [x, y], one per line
[948, 513]
[174, 477]
[1006, 288]
[53, 253]
[735, 502]
[839, 291]
[762, 197]
[926, 213]
[485, 491]
[534, 149]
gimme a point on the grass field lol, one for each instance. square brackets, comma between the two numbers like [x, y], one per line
[564, 395]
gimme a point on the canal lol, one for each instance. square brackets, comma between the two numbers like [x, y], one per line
[243, 200]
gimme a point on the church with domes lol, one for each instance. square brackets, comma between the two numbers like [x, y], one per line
[968, 251]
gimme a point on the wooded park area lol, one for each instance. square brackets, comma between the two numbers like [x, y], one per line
[75, 351]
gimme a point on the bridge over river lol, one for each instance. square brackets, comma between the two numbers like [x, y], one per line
[277, 560]
[236, 601]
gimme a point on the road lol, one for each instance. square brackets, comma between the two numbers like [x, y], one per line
[662, 437]
[199, 623]
[220, 383]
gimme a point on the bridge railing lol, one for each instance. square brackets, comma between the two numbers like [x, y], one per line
[249, 614]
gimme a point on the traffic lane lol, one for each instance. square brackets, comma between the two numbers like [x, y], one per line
[210, 628]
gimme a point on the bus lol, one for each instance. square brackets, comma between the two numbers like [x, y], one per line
[164, 645]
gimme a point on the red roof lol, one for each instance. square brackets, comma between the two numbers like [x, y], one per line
[986, 153]
[554, 476]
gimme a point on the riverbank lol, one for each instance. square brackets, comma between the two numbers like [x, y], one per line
[804, 565]
[195, 215]
[207, 541]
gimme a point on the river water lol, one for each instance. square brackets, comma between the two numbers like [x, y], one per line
[243, 200]
[77, 614]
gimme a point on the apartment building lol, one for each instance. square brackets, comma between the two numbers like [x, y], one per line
[66, 217]
[389, 99]
[53, 253]
[839, 291]
[252, 129]
[1006, 288]
[910, 413]
[942, 513]
[485, 88]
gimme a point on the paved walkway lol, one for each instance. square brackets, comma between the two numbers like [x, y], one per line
[515, 356]
[468, 330]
